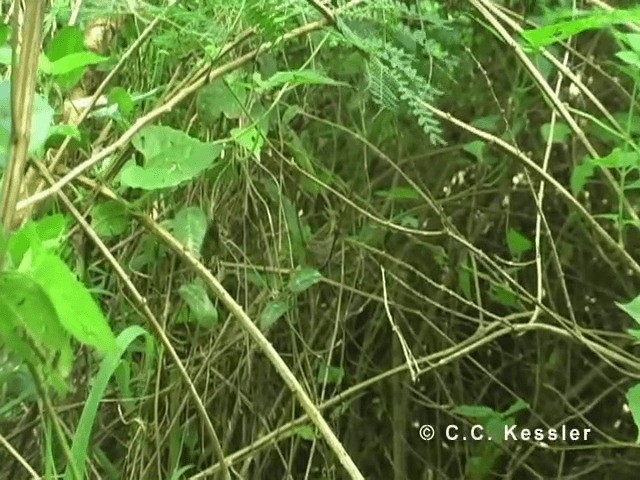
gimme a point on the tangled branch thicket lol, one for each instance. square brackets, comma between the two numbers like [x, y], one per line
[412, 170]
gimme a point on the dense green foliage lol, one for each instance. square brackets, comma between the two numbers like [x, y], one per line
[307, 239]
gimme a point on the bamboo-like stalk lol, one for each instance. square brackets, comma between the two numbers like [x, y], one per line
[26, 52]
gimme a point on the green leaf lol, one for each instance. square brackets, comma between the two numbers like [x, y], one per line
[518, 243]
[250, 138]
[618, 159]
[221, 97]
[41, 119]
[494, 428]
[61, 57]
[76, 308]
[189, 227]
[32, 309]
[171, 157]
[65, 130]
[329, 374]
[46, 233]
[72, 63]
[30, 328]
[109, 219]
[479, 467]
[121, 97]
[68, 39]
[306, 432]
[560, 132]
[304, 279]
[272, 312]
[632, 308]
[6, 55]
[196, 297]
[633, 40]
[504, 295]
[5, 30]
[635, 333]
[296, 77]
[491, 123]
[409, 221]
[582, 173]
[476, 148]
[633, 397]
[108, 366]
[629, 57]
[518, 406]
[560, 31]
[475, 411]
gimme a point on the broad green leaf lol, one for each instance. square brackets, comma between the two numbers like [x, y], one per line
[196, 297]
[121, 97]
[582, 173]
[560, 132]
[250, 138]
[631, 39]
[306, 432]
[67, 41]
[76, 308]
[618, 159]
[171, 157]
[290, 113]
[504, 295]
[329, 374]
[65, 130]
[633, 397]
[409, 221]
[47, 233]
[494, 427]
[109, 219]
[189, 227]
[518, 406]
[25, 306]
[304, 279]
[491, 123]
[9, 335]
[479, 467]
[476, 148]
[72, 63]
[6, 55]
[629, 57]
[632, 308]
[560, 31]
[635, 185]
[221, 97]
[272, 313]
[41, 119]
[518, 243]
[260, 118]
[5, 31]
[33, 310]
